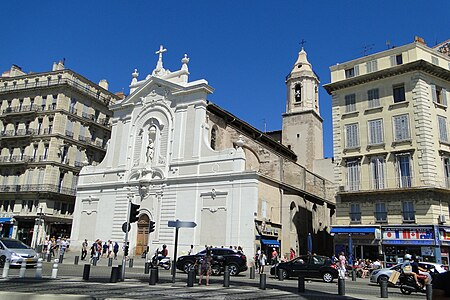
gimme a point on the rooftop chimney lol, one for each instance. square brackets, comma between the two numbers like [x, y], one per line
[418, 39]
[121, 95]
[104, 84]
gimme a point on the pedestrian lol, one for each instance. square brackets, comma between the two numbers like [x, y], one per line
[191, 250]
[63, 245]
[292, 254]
[110, 248]
[105, 249]
[115, 250]
[84, 246]
[342, 265]
[257, 254]
[262, 259]
[274, 256]
[205, 266]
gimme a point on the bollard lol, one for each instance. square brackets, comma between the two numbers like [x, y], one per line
[147, 268]
[110, 260]
[94, 261]
[384, 288]
[301, 284]
[39, 269]
[77, 258]
[55, 269]
[280, 274]
[61, 257]
[86, 270]
[157, 274]
[153, 274]
[341, 287]
[6, 268]
[120, 272]
[429, 291]
[353, 275]
[23, 268]
[226, 278]
[252, 272]
[262, 281]
[49, 257]
[191, 278]
[114, 275]
[130, 264]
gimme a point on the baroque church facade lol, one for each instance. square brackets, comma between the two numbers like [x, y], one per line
[180, 156]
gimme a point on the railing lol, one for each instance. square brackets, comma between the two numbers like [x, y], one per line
[381, 216]
[404, 182]
[84, 88]
[23, 108]
[69, 133]
[16, 159]
[18, 132]
[37, 188]
[355, 217]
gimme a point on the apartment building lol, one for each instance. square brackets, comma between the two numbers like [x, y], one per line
[51, 125]
[392, 153]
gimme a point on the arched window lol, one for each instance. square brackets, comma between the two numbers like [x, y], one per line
[213, 138]
[298, 93]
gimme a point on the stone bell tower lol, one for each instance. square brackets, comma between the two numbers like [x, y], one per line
[302, 123]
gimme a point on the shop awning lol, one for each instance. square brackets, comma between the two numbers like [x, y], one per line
[353, 230]
[6, 220]
[270, 243]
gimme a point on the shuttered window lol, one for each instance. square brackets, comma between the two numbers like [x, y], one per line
[377, 171]
[376, 132]
[355, 213]
[351, 135]
[401, 128]
[353, 175]
[350, 103]
[403, 165]
[373, 98]
[443, 136]
[372, 66]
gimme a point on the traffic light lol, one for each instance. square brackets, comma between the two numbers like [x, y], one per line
[134, 213]
[125, 251]
[151, 227]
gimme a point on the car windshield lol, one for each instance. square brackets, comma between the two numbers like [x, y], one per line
[14, 244]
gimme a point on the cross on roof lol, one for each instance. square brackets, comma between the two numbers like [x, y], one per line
[302, 42]
[160, 51]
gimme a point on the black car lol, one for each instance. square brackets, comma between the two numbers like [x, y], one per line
[308, 266]
[235, 260]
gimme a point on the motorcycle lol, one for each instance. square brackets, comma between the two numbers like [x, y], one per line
[408, 284]
[163, 262]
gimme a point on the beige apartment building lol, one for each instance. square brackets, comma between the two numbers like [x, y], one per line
[51, 124]
[392, 153]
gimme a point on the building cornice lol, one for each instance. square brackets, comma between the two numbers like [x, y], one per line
[419, 65]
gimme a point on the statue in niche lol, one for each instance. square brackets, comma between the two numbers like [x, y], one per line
[150, 150]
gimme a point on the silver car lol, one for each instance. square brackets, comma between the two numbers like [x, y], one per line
[16, 252]
[383, 274]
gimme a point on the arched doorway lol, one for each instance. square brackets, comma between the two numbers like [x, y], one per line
[142, 234]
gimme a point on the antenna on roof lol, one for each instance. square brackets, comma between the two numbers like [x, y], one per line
[388, 44]
[265, 125]
[366, 48]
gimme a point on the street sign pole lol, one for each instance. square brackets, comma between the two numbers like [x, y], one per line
[124, 259]
[174, 269]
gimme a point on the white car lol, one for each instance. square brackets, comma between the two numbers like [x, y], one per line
[383, 274]
[16, 252]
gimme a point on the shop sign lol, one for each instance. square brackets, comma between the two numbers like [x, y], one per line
[444, 235]
[409, 234]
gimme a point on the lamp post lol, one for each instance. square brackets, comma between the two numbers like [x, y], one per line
[36, 244]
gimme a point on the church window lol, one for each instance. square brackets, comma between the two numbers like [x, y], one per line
[298, 93]
[213, 138]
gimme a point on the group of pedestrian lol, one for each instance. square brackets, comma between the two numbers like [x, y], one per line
[55, 246]
[107, 249]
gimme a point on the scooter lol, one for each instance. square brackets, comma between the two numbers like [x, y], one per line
[163, 262]
[408, 285]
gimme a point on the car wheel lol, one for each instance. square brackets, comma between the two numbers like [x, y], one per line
[382, 278]
[327, 277]
[2, 261]
[215, 270]
[187, 266]
[233, 269]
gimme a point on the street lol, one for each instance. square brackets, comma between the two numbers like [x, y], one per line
[69, 282]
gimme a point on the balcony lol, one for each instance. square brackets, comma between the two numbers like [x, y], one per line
[50, 188]
[16, 159]
[355, 217]
[84, 88]
[18, 133]
[20, 110]
[69, 133]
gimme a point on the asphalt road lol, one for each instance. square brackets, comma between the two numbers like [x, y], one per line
[69, 282]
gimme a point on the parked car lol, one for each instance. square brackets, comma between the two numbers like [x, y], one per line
[235, 260]
[16, 251]
[383, 274]
[309, 266]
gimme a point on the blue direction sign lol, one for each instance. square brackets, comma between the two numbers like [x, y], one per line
[181, 224]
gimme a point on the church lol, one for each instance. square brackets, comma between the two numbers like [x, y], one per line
[180, 156]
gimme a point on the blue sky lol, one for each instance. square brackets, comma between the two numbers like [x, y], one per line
[244, 49]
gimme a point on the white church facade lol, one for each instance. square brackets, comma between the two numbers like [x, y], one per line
[179, 156]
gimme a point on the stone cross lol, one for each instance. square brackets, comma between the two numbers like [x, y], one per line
[160, 51]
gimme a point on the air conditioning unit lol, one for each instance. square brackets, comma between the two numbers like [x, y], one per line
[342, 188]
[441, 219]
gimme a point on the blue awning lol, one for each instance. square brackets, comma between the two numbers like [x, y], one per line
[353, 230]
[6, 220]
[271, 243]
